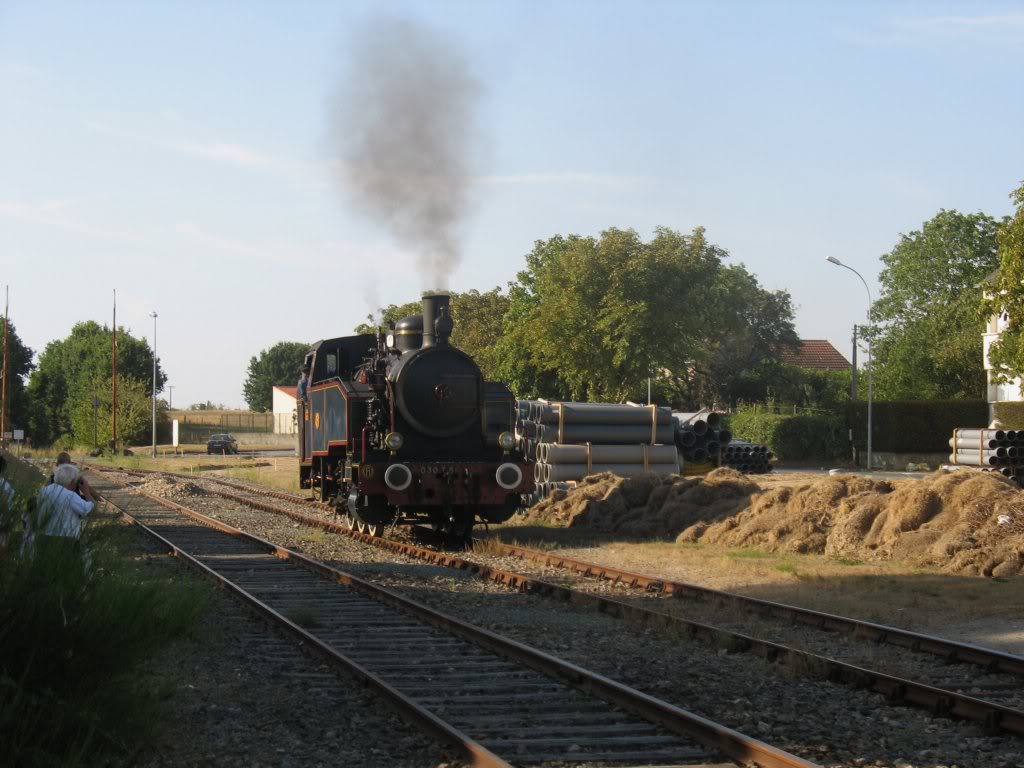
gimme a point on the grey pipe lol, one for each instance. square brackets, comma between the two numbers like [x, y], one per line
[685, 439]
[696, 455]
[603, 414]
[981, 434]
[973, 460]
[973, 442]
[563, 472]
[608, 454]
[612, 434]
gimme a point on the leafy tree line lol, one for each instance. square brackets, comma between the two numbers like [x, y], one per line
[72, 371]
[19, 366]
[1006, 293]
[927, 322]
[593, 318]
[277, 366]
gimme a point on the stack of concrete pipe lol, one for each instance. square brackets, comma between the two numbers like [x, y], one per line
[994, 450]
[747, 457]
[699, 436]
[569, 441]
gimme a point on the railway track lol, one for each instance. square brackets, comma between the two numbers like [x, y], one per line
[498, 702]
[941, 676]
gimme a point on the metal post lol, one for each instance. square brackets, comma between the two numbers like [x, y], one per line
[170, 396]
[853, 375]
[6, 370]
[154, 316]
[113, 410]
[838, 263]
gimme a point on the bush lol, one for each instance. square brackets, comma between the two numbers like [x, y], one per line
[70, 642]
[793, 436]
[914, 426]
[1010, 414]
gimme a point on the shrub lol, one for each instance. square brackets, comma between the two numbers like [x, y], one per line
[71, 641]
[792, 436]
[1010, 414]
[914, 426]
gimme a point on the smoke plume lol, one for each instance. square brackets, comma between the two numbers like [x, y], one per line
[408, 132]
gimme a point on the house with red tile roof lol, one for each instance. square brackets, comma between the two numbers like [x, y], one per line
[816, 354]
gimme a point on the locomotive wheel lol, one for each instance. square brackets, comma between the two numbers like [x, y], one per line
[374, 529]
[348, 522]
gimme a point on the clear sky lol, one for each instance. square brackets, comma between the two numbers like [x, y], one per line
[183, 153]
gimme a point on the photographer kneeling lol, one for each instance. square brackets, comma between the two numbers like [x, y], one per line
[61, 510]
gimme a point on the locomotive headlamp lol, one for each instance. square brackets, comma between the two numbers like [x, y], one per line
[507, 441]
[394, 441]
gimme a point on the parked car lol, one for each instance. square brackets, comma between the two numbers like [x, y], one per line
[221, 444]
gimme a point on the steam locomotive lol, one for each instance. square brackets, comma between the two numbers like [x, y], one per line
[402, 428]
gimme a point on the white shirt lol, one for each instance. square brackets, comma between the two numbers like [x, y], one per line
[61, 511]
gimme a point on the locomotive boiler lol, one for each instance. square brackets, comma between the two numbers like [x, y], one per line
[402, 428]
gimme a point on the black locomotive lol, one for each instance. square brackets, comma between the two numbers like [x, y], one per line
[402, 428]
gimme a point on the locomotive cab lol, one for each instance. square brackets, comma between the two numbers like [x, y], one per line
[403, 428]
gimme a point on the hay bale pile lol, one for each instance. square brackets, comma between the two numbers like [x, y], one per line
[648, 505]
[965, 522]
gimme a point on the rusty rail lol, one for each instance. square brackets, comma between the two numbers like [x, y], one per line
[899, 691]
[712, 735]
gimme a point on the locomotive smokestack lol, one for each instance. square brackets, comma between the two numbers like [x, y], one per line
[437, 319]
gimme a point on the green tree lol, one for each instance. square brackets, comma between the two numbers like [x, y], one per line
[67, 370]
[389, 315]
[19, 366]
[478, 323]
[1006, 295]
[929, 339]
[593, 318]
[275, 367]
[134, 412]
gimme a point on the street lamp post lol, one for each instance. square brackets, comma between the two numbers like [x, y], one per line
[154, 316]
[170, 397]
[838, 263]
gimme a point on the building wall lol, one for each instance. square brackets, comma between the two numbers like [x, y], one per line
[284, 408]
[998, 393]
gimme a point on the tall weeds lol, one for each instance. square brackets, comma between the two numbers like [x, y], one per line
[72, 641]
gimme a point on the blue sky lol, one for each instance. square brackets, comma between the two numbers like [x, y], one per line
[183, 153]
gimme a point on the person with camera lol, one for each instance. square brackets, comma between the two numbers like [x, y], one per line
[61, 509]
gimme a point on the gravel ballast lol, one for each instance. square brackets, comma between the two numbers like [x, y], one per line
[833, 725]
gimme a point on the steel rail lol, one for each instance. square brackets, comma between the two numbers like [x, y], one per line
[948, 650]
[475, 753]
[732, 743]
[899, 691]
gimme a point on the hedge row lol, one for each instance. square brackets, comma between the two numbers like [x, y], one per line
[1011, 415]
[913, 426]
[792, 437]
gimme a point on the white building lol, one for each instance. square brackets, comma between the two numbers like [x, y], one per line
[285, 411]
[1011, 391]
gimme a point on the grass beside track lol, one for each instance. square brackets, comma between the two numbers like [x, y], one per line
[888, 592]
[278, 472]
[73, 641]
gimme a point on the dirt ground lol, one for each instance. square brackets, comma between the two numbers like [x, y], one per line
[906, 552]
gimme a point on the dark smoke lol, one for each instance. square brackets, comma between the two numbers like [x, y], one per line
[407, 126]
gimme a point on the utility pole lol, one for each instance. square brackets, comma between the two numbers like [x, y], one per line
[154, 316]
[853, 375]
[113, 411]
[7, 355]
[170, 397]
